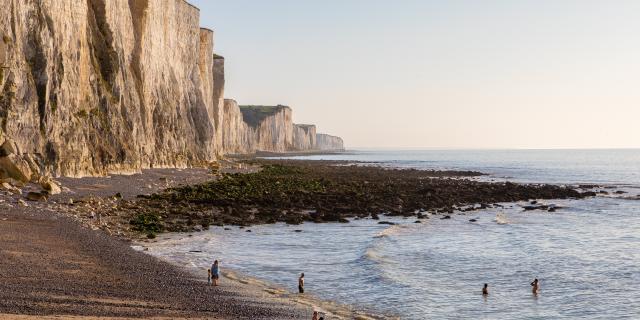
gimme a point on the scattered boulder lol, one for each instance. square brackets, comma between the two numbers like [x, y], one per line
[387, 223]
[22, 203]
[15, 167]
[36, 196]
[50, 186]
[473, 220]
[418, 221]
[9, 187]
[445, 218]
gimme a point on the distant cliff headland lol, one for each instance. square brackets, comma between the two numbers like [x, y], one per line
[98, 86]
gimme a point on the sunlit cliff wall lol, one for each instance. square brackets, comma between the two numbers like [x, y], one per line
[109, 85]
[325, 142]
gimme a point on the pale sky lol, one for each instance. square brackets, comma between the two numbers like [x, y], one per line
[440, 74]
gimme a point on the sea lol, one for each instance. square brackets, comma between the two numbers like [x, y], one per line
[586, 255]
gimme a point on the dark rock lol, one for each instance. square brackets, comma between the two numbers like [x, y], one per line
[248, 230]
[36, 196]
[445, 218]
[387, 223]
[418, 221]
[620, 192]
[473, 220]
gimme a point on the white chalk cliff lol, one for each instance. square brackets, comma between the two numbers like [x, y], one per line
[97, 86]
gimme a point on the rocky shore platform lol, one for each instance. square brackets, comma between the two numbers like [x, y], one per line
[316, 191]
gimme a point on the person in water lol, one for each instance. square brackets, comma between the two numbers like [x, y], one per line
[215, 273]
[534, 286]
[485, 290]
[301, 283]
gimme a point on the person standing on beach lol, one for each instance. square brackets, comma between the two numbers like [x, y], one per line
[301, 283]
[534, 286]
[485, 290]
[215, 273]
[315, 315]
[209, 276]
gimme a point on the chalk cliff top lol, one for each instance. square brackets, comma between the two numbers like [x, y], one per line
[253, 115]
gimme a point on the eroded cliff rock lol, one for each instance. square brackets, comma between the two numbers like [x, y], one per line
[304, 137]
[325, 142]
[237, 138]
[96, 86]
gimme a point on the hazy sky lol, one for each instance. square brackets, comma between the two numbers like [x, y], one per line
[440, 74]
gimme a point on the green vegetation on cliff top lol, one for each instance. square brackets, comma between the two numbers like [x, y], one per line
[254, 115]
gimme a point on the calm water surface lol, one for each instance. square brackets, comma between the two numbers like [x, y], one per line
[587, 256]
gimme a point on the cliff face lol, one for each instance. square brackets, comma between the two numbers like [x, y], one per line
[237, 138]
[304, 137]
[270, 128]
[325, 142]
[248, 129]
[89, 87]
[109, 85]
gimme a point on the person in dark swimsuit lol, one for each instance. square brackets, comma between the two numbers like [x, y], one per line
[485, 290]
[535, 286]
[301, 283]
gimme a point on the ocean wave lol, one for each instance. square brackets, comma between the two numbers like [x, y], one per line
[392, 230]
[373, 255]
[501, 218]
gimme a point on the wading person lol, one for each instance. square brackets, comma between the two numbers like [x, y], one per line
[301, 283]
[485, 290]
[215, 273]
[534, 286]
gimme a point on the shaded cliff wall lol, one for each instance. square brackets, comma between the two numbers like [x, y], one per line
[93, 86]
[237, 137]
[304, 137]
[327, 142]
